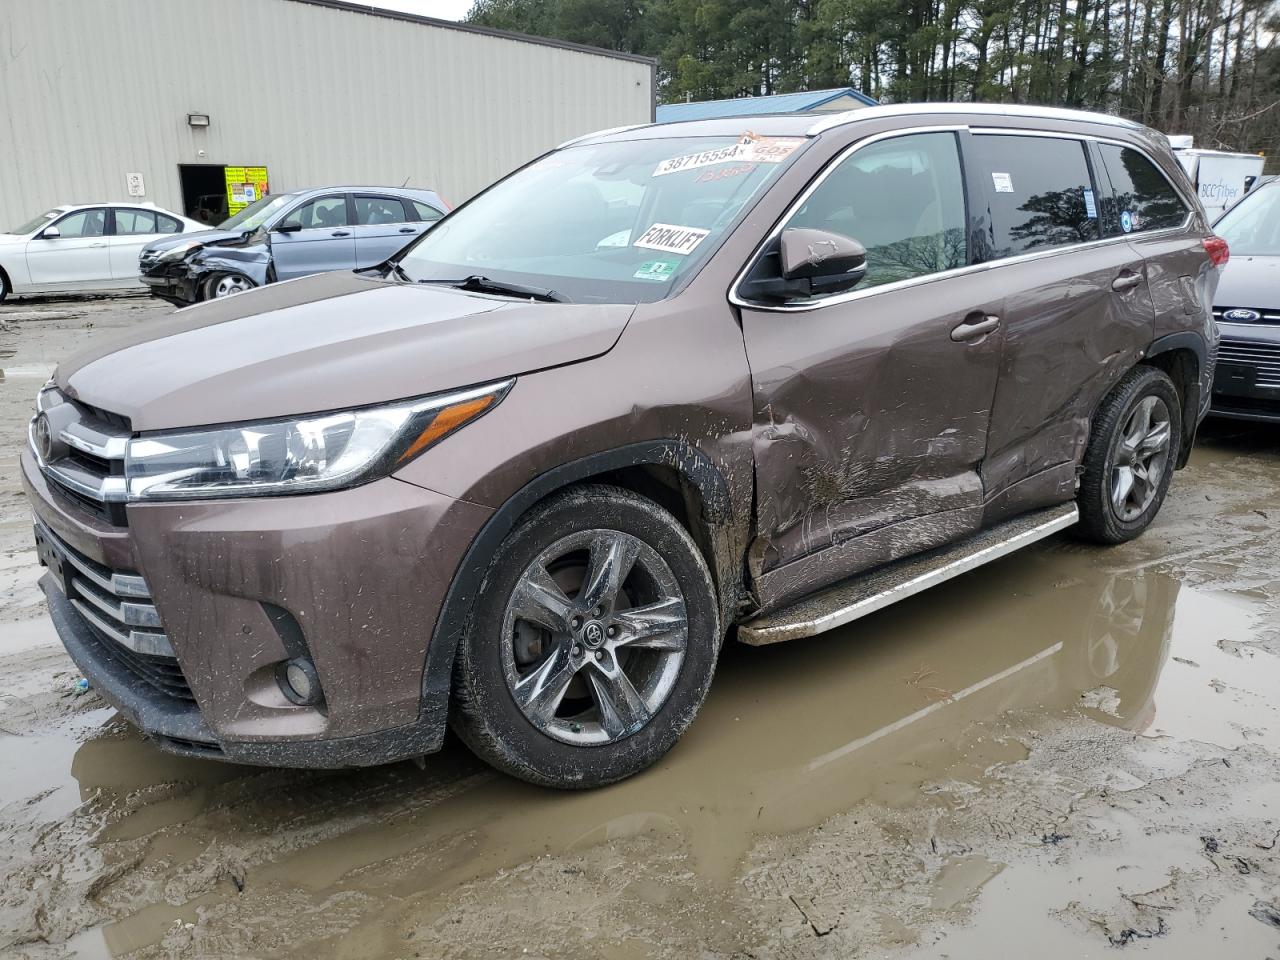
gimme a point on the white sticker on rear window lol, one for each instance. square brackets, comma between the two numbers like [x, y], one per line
[749, 149]
[1090, 209]
[1003, 182]
[671, 239]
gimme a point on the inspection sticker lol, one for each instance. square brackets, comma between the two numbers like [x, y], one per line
[1090, 209]
[748, 149]
[1003, 182]
[1126, 221]
[655, 270]
[671, 239]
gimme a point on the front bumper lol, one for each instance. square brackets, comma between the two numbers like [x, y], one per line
[170, 281]
[355, 577]
[1246, 384]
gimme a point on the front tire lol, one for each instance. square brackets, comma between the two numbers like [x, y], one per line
[1133, 446]
[226, 285]
[592, 642]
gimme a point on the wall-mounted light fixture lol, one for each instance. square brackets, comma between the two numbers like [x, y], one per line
[197, 119]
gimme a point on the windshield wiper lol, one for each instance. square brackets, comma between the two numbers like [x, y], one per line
[478, 284]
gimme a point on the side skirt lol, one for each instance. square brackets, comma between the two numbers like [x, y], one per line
[847, 601]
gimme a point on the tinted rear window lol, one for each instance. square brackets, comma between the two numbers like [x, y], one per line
[1144, 199]
[1040, 190]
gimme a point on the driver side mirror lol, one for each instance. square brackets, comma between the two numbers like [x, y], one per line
[287, 227]
[809, 263]
[50, 233]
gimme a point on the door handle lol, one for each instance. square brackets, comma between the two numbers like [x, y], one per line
[408, 230]
[94, 245]
[1126, 281]
[340, 233]
[975, 326]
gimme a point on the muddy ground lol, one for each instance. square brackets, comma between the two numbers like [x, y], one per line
[1066, 754]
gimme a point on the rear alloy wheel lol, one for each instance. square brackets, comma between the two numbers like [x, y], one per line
[1133, 446]
[227, 285]
[592, 643]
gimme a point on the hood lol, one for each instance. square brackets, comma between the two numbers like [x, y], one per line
[203, 237]
[1250, 281]
[327, 342]
[13, 237]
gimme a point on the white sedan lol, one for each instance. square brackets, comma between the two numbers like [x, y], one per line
[87, 247]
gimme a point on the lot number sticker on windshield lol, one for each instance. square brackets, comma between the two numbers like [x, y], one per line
[655, 270]
[671, 239]
[749, 149]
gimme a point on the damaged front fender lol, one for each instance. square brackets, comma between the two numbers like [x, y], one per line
[252, 261]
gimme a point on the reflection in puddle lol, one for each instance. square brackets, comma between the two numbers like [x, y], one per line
[790, 736]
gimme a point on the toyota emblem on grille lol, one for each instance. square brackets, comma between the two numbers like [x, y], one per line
[1241, 315]
[44, 437]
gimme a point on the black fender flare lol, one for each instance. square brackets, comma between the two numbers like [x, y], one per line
[1193, 402]
[692, 464]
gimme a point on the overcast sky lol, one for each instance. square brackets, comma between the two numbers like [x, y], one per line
[444, 9]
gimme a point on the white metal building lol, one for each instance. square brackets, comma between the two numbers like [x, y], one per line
[102, 98]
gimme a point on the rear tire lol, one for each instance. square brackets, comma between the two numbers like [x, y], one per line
[4, 286]
[591, 644]
[1133, 446]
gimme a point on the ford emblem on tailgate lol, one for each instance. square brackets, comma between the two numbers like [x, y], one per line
[1240, 315]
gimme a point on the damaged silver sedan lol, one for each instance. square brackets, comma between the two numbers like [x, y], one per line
[286, 236]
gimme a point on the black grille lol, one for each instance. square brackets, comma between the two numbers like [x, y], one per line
[1263, 358]
[116, 606]
[112, 513]
[163, 673]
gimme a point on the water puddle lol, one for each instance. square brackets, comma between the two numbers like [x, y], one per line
[790, 736]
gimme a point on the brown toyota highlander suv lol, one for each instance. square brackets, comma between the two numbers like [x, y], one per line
[659, 387]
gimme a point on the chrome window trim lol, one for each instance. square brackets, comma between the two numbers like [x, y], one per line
[852, 295]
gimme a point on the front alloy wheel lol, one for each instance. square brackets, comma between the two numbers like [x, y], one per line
[228, 285]
[591, 643]
[594, 636]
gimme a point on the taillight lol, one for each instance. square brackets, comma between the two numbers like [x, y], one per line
[1217, 250]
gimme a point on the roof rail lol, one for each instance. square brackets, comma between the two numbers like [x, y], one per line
[603, 133]
[989, 109]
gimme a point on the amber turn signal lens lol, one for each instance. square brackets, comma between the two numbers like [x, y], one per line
[445, 422]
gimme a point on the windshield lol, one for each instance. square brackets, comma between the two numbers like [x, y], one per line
[37, 222]
[256, 214]
[1252, 226]
[612, 222]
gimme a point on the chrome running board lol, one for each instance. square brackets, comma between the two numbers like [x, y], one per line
[857, 597]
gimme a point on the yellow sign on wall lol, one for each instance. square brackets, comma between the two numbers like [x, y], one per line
[244, 186]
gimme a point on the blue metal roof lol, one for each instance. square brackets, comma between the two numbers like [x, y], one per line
[753, 106]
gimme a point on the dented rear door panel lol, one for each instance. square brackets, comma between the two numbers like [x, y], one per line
[1068, 339]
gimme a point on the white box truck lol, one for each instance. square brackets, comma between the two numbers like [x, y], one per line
[1220, 177]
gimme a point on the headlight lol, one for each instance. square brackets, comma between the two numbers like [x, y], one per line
[322, 452]
[181, 250]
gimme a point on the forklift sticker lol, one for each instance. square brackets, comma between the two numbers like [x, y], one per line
[671, 239]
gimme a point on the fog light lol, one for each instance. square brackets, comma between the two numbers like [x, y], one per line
[298, 682]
